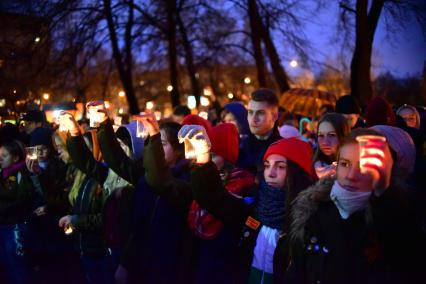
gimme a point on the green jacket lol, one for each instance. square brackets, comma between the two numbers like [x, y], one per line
[87, 198]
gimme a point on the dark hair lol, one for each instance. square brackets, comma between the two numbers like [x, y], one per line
[297, 180]
[15, 148]
[341, 128]
[265, 95]
[171, 129]
[123, 134]
[181, 110]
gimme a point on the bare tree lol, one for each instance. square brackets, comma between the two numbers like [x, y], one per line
[366, 20]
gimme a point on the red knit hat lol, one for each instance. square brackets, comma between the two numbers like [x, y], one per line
[224, 140]
[197, 120]
[379, 112]
[294, 149]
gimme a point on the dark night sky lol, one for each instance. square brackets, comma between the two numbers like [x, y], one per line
[403, 53]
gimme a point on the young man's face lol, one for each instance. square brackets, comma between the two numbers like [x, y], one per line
[261, 117]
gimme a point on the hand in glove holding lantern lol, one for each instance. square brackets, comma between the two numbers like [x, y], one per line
[197, 136]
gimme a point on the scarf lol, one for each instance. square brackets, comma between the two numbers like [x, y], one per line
[348, 202]
[270, 206]
[12, 169]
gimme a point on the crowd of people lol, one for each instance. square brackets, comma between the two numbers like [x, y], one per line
[257, 195]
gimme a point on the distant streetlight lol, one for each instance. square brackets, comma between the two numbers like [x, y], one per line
[149, 105]
[293, 63]
[120, 111]
[247, 80]
[141, 83]
[230, 96]
[46, 96]
[37, 39]
[14, 91]
[169, 88]
[121, 94]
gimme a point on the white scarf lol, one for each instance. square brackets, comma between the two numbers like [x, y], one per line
[347, 201]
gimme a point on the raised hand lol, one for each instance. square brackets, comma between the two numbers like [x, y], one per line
[67, 121]
[150, 123]
[197, 136]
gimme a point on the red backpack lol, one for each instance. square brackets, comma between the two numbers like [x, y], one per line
[203, 224]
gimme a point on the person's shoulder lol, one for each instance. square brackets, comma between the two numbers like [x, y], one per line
[306, 205]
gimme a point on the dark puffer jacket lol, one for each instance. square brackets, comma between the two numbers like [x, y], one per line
[375, 245]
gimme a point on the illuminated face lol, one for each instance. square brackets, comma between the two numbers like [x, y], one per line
[230, 118]
[349, 174]
[275, 171]
[351, 119]
[6, 159]
[169, 153]
[261, 117]
[327, 139]
[409, 117]
[43, 153]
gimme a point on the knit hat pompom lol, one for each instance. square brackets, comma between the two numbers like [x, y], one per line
[295, 150]
[224, 141]
[197, 120]
[347, 105]
[379, 112]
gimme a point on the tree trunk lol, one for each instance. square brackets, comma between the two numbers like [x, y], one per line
[280, 75]
[366, 24]
[125, 72]
[189, 59]
[257, 46]
[172, 53]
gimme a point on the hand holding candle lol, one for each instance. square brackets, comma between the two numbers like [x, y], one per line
[146, 125]
[97, 113]
[197, 143]
[376, 159]
[65, 223]
[67, 122]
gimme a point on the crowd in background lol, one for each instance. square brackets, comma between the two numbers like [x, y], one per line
[267, 196]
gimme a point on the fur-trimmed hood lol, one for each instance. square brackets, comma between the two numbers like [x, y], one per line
[306, 204]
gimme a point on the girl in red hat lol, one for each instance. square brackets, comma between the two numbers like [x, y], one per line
[288, 170]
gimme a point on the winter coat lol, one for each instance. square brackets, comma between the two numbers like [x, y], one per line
[52, 185]
[252, 151]
[159, 250]
[235, 212]
[129, 169]
[16, 193]
[88, 199]
[375, 245]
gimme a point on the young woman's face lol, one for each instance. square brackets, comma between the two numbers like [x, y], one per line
[349, 174]
[230, 118]
[6, 159]
[327, 139]
[169, 153]
[409, 117]
[275, 171]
